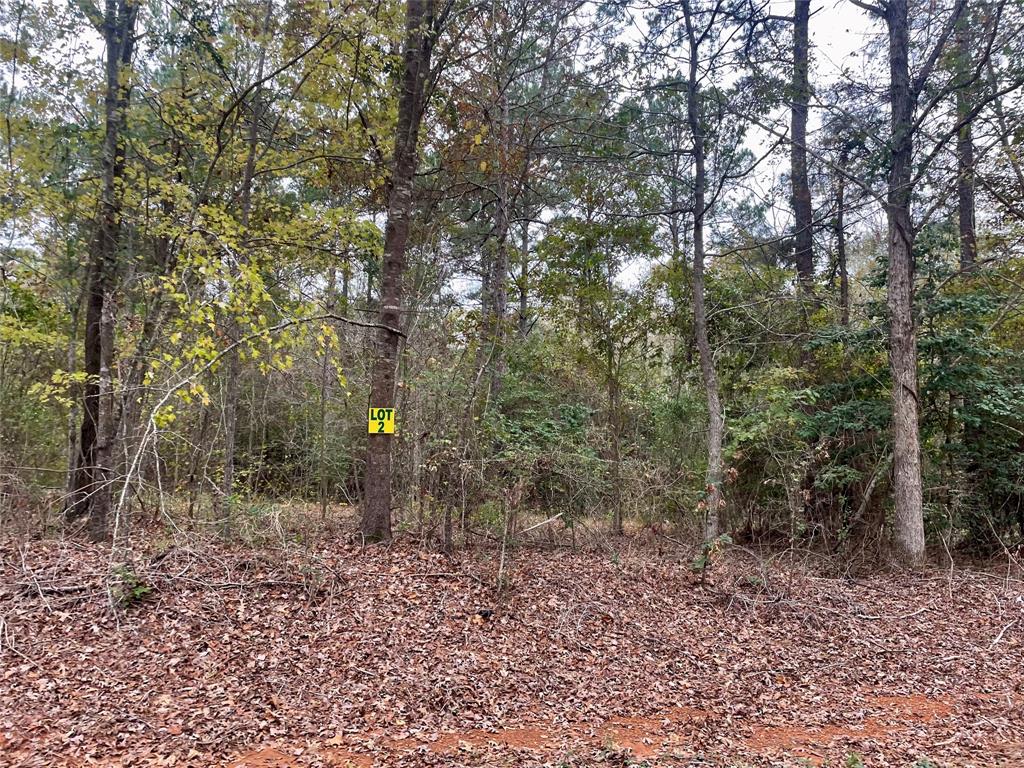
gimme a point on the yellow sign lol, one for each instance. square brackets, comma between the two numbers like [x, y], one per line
[381, 421]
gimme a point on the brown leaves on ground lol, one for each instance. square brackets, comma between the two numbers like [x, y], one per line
[392, 657]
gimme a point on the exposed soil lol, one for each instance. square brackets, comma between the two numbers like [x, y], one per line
[378, 658]
[648, 738]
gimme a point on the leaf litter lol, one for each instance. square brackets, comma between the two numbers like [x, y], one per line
[363, 657]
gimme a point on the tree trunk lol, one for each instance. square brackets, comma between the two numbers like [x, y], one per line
[197, 470]
[72, 422]
[106, 429]
[841, 263]
[324, 485]
[714, 500]
[965, 150]
[89, 494]
[907, 490]
[376, 509]
[614, 397]
[801, 95]
[499, 265]
[680, 277]
[524, 281]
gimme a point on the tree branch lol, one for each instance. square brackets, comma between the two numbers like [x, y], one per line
[92, 13]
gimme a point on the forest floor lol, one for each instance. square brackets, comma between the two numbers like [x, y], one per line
[336, 655]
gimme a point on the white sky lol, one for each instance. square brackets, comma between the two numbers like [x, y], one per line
[839, 30]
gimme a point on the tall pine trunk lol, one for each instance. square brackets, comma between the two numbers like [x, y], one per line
[376, 508]
[907, 483]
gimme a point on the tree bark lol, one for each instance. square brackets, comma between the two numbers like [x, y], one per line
[331, 305]
[90, 494]
[907, 485]
[499, 264]
[106, 430]
[714, 499]
[965, 151]
[524, 280]
[72, 422]
[841, 263]
[614, 398]
[419, 22]
[801, 95]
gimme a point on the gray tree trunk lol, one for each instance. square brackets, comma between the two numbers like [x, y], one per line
[714, 500]
[907, 483]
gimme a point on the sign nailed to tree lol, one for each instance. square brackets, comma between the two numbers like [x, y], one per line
[381, 421]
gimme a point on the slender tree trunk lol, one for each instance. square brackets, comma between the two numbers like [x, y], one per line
[72, 423]
[714, 500]
[106, 431]
[614, 396]
[680, 268]
[499, 272]
[92, 471]
[196, 463]
[524, 281]
[842, 265]
[615, 437]
[331, 306]
[965, 151]
[376, 509]
[801, 95]
[907, 485]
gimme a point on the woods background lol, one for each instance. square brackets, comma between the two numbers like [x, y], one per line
[658, 264]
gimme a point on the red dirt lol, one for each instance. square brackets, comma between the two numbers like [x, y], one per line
[646, 738]
[271, 757]
[811, 742]
[450, 742]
